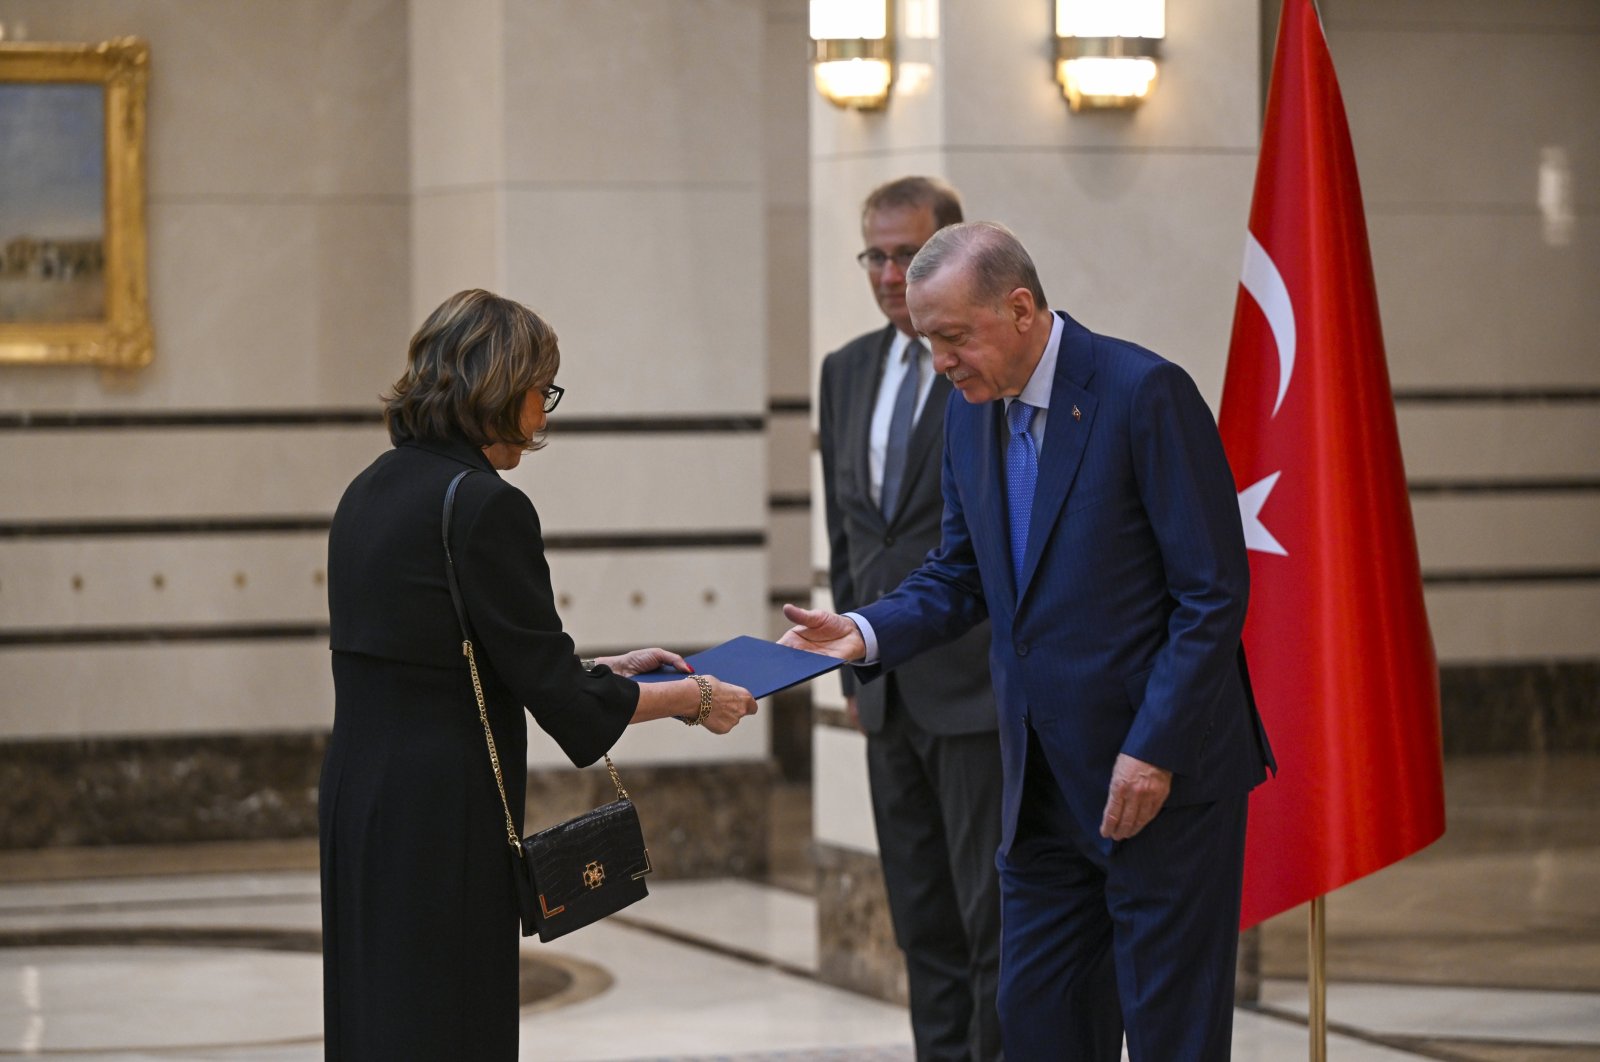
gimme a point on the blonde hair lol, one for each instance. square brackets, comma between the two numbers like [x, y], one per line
[468, 369]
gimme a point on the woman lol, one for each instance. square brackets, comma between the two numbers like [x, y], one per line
[419, 912]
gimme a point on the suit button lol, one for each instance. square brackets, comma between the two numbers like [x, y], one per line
[888, 540]
[1022, 648]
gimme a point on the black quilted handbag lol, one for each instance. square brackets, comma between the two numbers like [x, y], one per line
[587, 867]
[578, 871]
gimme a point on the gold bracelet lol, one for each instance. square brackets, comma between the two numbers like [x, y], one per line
[705, 702]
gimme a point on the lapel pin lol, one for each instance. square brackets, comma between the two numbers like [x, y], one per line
[1075, 414]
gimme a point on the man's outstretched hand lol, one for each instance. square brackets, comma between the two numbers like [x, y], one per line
[817, 631]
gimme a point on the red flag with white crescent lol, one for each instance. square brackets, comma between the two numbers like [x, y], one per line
[1341, 658]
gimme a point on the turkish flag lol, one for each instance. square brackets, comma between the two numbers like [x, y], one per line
[1337, 637]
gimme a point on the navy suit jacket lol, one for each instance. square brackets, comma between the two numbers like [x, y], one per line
[1123, 633]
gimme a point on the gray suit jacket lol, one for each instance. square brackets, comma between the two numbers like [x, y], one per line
[946, 691]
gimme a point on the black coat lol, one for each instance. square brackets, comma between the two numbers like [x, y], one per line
[418, 908]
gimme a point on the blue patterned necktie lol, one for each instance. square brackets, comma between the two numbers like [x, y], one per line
[1022, 475]
[900, 421]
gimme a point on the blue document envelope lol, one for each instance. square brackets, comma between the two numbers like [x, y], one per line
[759, 666]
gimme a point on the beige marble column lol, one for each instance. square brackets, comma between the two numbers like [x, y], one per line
[601, 161]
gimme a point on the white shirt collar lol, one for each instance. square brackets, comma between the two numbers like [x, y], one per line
[1043, 380]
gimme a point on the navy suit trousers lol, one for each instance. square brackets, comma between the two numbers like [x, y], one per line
[1093, 942]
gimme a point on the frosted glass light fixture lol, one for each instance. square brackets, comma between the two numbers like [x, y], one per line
[1106, 50]
[852, 52]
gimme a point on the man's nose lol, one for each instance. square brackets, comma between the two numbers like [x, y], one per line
[943, 360]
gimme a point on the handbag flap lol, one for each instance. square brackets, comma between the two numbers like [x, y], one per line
[575, 858]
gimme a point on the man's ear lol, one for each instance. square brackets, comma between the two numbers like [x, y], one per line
[1020, 308]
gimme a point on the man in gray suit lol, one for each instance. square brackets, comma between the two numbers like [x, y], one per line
[933, 752]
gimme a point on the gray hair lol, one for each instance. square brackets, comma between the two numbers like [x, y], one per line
[996, 262]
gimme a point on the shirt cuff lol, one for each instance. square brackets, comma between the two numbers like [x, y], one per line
[867, 636]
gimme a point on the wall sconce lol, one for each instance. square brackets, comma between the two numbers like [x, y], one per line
[852, 52]
[1106, 50]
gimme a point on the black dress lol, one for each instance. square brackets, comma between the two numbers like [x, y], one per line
[419, 921]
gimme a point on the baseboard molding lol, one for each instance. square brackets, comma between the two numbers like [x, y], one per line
[700, 820]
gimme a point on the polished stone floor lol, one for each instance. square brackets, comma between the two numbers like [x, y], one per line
[1485, 948]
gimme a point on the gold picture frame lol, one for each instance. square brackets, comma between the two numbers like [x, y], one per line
[69, 294]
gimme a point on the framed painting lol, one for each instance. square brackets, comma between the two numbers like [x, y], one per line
[73, 284]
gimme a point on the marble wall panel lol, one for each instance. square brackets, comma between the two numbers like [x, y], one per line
[645, 482]
[1476, 532]
[166, 688]
[1443, 112]
[684, 599]
[1508, 624]
[999, 72]
[841, 801]
[257, 303]
[182, 472]
[789, 551]
[1146, 247]
[457, 93]
[459, 243]
[159, 790]
[1465, 15]
[701, 820]
[664, 93]
[657, 293]
[1482, 300]
[295, 97]
[789, 454]
[1501, 443]
[786, 104]
[819, 529]
[1541, 707]
[361, 311]
[788, 301]
[139, 581]
[856, 948]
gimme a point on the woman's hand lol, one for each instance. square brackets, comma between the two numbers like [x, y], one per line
[641, 660]
[729, 704]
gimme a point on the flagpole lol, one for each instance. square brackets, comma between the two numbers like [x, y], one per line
[1318, 980]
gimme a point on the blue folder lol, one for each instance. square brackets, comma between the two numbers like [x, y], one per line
[759, 666]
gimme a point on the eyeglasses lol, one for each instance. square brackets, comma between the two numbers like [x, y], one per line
[873, 259]
[552, 397]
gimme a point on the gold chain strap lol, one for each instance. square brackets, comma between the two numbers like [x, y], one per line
[494, 755]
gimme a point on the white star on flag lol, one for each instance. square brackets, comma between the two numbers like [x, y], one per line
[1256, 535]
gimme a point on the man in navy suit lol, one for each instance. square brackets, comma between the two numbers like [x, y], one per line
[1091, 516]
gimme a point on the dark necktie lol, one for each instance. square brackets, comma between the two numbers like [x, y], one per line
[905, 412]
[1022, 475]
